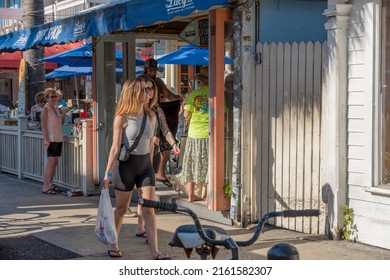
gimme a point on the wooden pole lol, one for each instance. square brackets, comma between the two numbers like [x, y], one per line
[216, 197]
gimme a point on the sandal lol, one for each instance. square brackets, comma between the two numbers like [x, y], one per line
[143, 234]
[115, 253]
[166, 182]
[56, 189]
[50, 191]
[162, 256]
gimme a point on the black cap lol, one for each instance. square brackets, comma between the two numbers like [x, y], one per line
[152, 64]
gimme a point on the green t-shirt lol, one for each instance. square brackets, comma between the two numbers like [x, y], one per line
[198, 105]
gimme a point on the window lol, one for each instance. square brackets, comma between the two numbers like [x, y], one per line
[386, 92]
[14, 4]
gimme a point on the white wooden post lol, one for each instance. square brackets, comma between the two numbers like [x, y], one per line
[22, 124]
[87, 184]
[248, 42]
[335, 111]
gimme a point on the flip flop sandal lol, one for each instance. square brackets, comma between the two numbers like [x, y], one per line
[143, 234]
[115, 253]
[163, 256]
[166, 182]
[50, 191]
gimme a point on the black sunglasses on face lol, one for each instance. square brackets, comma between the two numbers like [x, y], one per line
[53, 96]
[147, 90]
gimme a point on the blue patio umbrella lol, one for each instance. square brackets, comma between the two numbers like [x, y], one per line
[189, 55]
[68, 71]
[82, 57]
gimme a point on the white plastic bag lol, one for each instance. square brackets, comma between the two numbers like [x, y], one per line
[105, 222]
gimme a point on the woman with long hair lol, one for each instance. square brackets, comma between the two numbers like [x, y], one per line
[161, 129]
[138, 170]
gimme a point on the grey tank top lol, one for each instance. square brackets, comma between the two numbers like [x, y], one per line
[131, 131]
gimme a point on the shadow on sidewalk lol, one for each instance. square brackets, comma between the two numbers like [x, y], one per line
[32, 248]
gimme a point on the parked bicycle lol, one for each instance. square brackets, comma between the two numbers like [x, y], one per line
[206, 239]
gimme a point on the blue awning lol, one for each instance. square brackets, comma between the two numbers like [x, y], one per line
[104, 19]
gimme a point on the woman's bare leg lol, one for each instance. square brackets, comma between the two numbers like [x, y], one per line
[50, 169]
[163, 163]
[141, 221]
[191, 192]
[122, 200]
[148, 192]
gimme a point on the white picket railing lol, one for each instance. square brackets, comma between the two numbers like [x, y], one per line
[9, 149]
[22, 153]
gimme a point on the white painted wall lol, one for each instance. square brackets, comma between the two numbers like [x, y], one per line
[372, 210]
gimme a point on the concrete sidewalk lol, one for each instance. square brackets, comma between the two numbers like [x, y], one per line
[69, 222]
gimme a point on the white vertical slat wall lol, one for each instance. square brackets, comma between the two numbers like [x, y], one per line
[288, 117]
[74, 170]
[9, 151]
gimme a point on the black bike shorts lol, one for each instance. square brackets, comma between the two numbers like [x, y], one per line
[138, 171]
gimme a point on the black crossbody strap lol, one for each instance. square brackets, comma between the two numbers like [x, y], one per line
[136, 141]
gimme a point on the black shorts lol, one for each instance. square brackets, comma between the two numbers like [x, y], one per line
[138, 171]
[54, 149]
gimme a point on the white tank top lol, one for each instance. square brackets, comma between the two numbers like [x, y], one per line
[54, 124]
[131, 131]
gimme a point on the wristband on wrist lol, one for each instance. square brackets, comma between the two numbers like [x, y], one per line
[109, 174]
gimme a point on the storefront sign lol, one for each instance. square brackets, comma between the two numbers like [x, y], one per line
[196, 33]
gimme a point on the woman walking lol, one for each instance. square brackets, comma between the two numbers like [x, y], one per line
[161, 130]
[138, 170]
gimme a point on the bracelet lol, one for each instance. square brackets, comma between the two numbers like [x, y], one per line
[109, 174]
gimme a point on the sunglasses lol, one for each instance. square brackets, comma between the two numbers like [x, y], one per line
[148, 90]
[53, 96]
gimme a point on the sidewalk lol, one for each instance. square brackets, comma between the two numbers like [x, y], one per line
[68, 223]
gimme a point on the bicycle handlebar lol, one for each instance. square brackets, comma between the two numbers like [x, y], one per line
[284, 213]
[158, 205]
[295, 213]
[173, 207]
